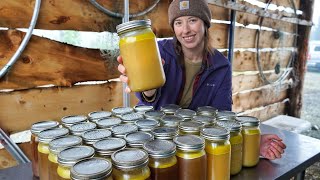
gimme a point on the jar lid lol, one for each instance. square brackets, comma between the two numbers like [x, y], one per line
[48, 135]
[147, 124]
[206, 120]
[110, 145]
[154, 114]
[215, 133]
[142, 108]
[60, 143]
[226, 115]
[122, 129]
[79, 128]
[99, 114]
[160, 148]
[207, 111]
[91, 168]
[131, 117]
[232, 126]
[165, 132]
[189, 142]
[73, 119]
[121, 28]
[170, 108]
[171, 120]
[137, 139]
[248, 121]
[71, 155]
[185, 113]
[190, 126]
[129, 158]
[108, 122]
[42, 125]
[118, 111]
[94, 135]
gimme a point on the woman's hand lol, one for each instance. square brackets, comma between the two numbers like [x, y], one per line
[271, 146]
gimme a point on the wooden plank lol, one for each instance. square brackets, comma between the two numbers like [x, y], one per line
[247, 60]
[28, 106]
[46, 62]
[283, 3]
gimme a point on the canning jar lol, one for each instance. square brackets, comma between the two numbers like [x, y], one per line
[236, 142]
[142, 108]
[162, 159]
[226, 116]
[186, 114]
[251, 140]
[137, 139]
[92, 168]
[190, 128]
[67, 121]
[204, 119]
[130, 163]
[119, 111]
[147, 125]
[80, 128]
[94, 135]
[170, 109]
[166, 133]
[35, 130]
[69, 156]
[45, 137]
[122, 129]
[171, 120]
[107, 123]
[207, 111]
[106, 147]
[96, 115]
[131, 117]
[57, 145]
[192, 161]
[154, 114]
[141, 57]
[218, 151]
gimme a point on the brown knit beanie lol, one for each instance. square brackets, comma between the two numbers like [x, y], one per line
[197, 8]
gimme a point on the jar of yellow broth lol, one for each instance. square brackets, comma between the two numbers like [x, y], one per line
[236, 142]
[141, 57]
[104, 148]
[251, 140]
[122, 129]
[80, 128]
[131, 117]
[107, 123]
[69, 156]
[96, 115]
[57, 145]
[35, 130]
[142, 108]
[70, 120]
[171, 120]
[92, 168]
[45, 137]
[137, 139]
[119, 111]
[205, 120]
[192, 160]
[186, 114]
[226, 116]
[207, 111]
[190, 128]
[130, 163]
[162, 160]
[147, 125]
[218, 151]
[166, 133]
[94, 135]
[154, 114]
[170, 109]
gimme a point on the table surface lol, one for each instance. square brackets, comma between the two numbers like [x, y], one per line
[301, 152]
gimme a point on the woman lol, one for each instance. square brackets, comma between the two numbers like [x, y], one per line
[196, 73]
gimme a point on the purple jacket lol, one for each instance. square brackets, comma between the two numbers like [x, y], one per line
[212, 86]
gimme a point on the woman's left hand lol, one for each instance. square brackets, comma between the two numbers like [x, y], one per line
[271, 146]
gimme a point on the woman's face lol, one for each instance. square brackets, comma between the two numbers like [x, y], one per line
[189, 31]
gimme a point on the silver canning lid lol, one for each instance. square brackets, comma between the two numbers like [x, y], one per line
[142, 108]
[137, 139]
[185, 113]
[43, 125]
[94, 135]
[131, 117]
[248, 121]
[60, 143]
[165, 133]
[206, 120]
[147, 124]
[215, 133]
[121, 28]
[190, 126]
[171, 120]
[154, 114]
[48, 135]
[119, 111]
[122, 129]
[170, 108]
[189, 143]
[107, 123]
[108, 146]
[91, 168]
[232, 126]
[160, 148]
[95, 115]
[78, 129]
[73, 119]
[226, 115]
[207, 111]
[129, 158]
[71, 155]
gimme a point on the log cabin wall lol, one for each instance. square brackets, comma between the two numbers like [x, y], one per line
[41, 84]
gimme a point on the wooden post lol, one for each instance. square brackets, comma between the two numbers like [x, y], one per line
[296, 92]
